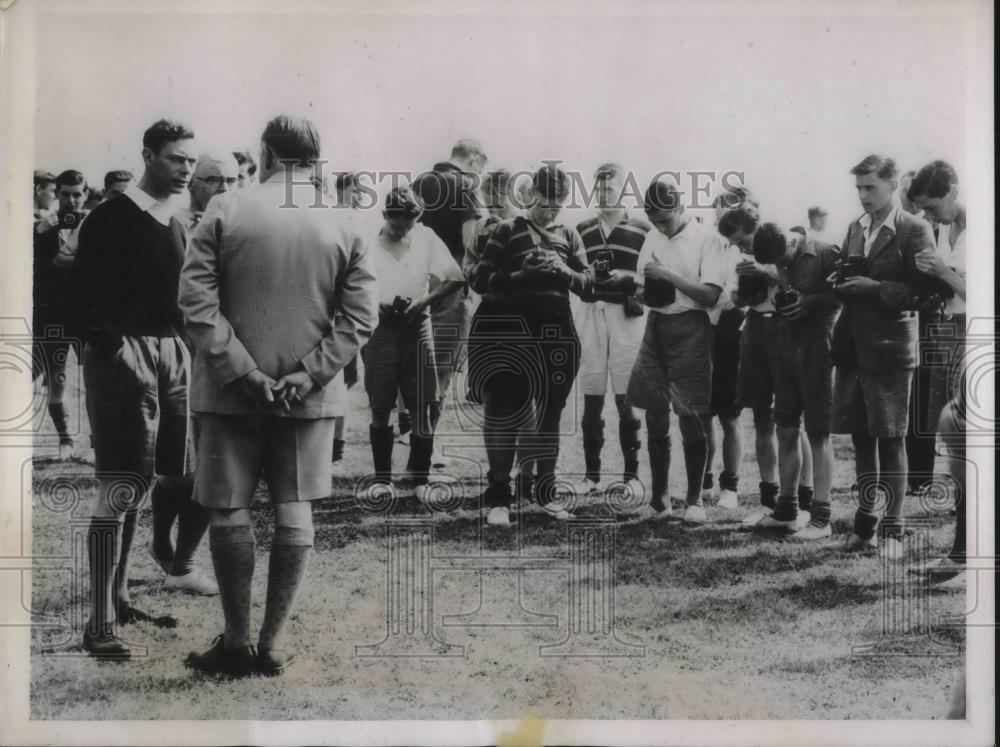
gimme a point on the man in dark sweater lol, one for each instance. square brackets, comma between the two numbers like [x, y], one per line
[135, 364]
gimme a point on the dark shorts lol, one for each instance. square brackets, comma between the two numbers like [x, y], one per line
[759, 363]
[235, 451]
[138, 407]
[399, 359]
[674, 365]
[804, 377]
[726, 364]
[528, 352]
[874, 403]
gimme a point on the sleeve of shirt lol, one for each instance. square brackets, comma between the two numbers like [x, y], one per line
[714, 266]
[826, 300]
[442, 265]
[581, 282]
[355, 317]
[198, 297]
[732, 258]
[645, 257]
[485, 277]
[471, 257]
[93, 272]
[905, 294]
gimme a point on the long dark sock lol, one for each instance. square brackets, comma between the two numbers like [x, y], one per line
[729, 481]
[806, 495]
[233, 559]
[338, 449]
[628, 437]
[659, 467]
[695, 458]
[165, 507]
[192, 523]
[382, 441]
[592, 426]
[419, 462]
[819, 514]
[434, 412]
[787, 508]
[548, 456]
[769, 495]
[125, 556]
[102, 552]
[290, 550]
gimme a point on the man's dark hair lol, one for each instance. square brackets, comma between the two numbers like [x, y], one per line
[743, 219]
[164, 131]
[401, 202]
[243, 156]
[608, 171]
[736, 197]
[119, 175]
[933, 180]
[71, 178]
[44, 178]
[661, 195]
[883, 167]
[769, 243]
[292, 139]
[815, 212]
[468, 149]
[551, 182]
[798, 229]
[496, 182]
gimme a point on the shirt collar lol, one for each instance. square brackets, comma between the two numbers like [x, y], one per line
[889, 222]
[160, 210]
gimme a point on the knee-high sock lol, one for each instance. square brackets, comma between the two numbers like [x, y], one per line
[592, 426]
[659, 468]
[57, 411]
[165, 504]
[233, 559]
[628, 437]
[103, 536]
[695, 458]
[192, 523]
[382, 442]
[125, 556]
[290, 550]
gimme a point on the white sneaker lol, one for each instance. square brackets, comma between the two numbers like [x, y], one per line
[695, 515]
[194, 582]
[809, 532]
[756, 517]
[707, 494]
[804, 517]
[728, 500]
[769, 522]
[892, 549]
[938, 566]
[499, 516]
[560, 514]
[585, 486]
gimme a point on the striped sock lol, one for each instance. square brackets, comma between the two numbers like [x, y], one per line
[819, 515]
[805, 497]
[787, 508]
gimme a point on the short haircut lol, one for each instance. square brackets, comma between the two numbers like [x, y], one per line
[608, 171]
[119, 175]
[344, 180]
[661, 195]
[933, 180]
[743, 219]
[164, 131]
[292, 139]
[735, 197]
[883, 167]
[551, 182]
[798, 229]
[815, 212]
[496, 182]
[468, 149]
[244, 156]
[401, 202]
[769, 243]
[44, 178]
[71, 178]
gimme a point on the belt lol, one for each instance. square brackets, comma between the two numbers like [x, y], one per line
[754, 314]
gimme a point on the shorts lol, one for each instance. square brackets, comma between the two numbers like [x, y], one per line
[138, 406]
[674, 365]
[450, 325]
[525, 353]
[399, 359]
[292, 454]
[803, 385]
[759, 362]
[609, 344]
[870, 402]
[726, 364]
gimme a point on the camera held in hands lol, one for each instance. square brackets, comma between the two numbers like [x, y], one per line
[659, 293]
[399, 306]
[785, 298]
[603, 260]
[851, 266]
[70, 219]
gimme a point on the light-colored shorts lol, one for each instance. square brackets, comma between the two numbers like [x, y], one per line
[609, 345]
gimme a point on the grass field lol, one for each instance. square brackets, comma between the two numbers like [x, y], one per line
[734, 625]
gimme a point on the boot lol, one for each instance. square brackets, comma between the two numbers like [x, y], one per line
[382, 441]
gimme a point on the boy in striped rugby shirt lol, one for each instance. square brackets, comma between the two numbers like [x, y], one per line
[610, 326]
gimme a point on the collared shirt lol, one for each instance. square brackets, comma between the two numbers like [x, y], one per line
[732, 258]
[160, 210]
[188, 218]
[409, 274]
[953, 258]
[696, 253]
[871, 232]
[807, 274]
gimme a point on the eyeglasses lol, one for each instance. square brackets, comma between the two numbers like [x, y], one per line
[218, 181]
